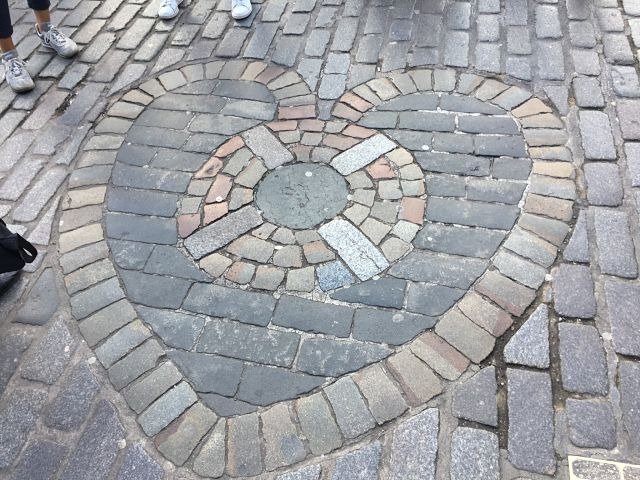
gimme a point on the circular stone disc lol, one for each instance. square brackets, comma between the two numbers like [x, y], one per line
[302, 196]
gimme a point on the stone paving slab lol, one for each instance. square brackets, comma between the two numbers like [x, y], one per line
[471, 153]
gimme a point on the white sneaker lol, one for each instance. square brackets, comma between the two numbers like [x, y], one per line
[240, 9]
[58, 41]
[168, 8]
[16, 74]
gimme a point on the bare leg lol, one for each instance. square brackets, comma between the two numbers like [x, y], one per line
[42, 17]
[6, 44]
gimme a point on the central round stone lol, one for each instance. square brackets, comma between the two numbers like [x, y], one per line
[302, 196]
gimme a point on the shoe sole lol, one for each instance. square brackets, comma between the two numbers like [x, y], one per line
[63, 56]
[243, 17]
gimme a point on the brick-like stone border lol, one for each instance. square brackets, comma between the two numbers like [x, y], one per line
[355, 404]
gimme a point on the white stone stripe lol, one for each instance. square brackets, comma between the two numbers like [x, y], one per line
[267, 147]
[354, 248]
[362, 154]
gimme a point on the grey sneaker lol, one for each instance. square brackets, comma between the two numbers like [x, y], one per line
[58, 41]
[15, 71]
[240, 9]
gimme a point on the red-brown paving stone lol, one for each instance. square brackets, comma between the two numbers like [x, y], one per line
[285, 125]
[214, 211]
[340, 142]
[440, 356]
[485, 314]
[240, 272]
[358, 131]
[230, 146]
[303, 111]
[343, 111]
[381, 169]
[220, 189]
[312, 125]
[269, 74]
[210, 169]
[412, 210]
[354, 101]
[187, 224]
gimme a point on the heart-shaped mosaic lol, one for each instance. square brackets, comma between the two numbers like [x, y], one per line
[269, 252]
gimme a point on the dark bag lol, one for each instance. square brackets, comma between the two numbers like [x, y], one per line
[15, 251]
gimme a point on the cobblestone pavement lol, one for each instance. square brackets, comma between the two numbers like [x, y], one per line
[336, 240]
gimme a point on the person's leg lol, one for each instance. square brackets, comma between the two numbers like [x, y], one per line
[50, 36]
[6, 29]
[15, 70]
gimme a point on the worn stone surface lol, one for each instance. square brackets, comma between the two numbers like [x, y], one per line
[531, 421]
[475, 398]
[415, 446]
[582, 359]
[530, 344]
[474, 454]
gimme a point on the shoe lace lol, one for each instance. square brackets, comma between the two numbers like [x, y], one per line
[16, 67]
[56, 36]
[166, 3]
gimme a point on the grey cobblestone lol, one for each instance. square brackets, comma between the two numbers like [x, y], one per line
[415, 446]
[582, 359]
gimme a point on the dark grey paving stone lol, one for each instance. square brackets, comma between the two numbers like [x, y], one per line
[176, 329]
[475, 399]
[98, 446]
[427, 121]
[463, 103]
[217, 301]
[529, 346]
[511, 168]
[384, 326]
[193, 103]
[591, 423]
[12, 346]
[40, 460]
[156, 137]
[415, 447]
[577, 250]
[225, 406]
[423, 266]
[501, 191]
[624, 315]
[220, 124]
[582, 359]
[359, 465]
[48, 358]
[139, 465]
[142, 202]
[474, 454]
[130, 255]
[137, 155]
[414, 101]
[385, 292]
[349, 408]
[333, 357]
[144, 229]
[473, 214]
[209, 373]
[142, 393]
[243, 90]
[432, 299]
[166, 260]
[18, 414]
[311, 316]
[473, 242]
[71, 406]
[150, 178]
[258, 381]
[42, 301]
[573, 292]
[167, 408]
[247, 342]
[616, 254]
[189, 162]
[531, 422]
[106, 321]
[154, 290]
[629, 384]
